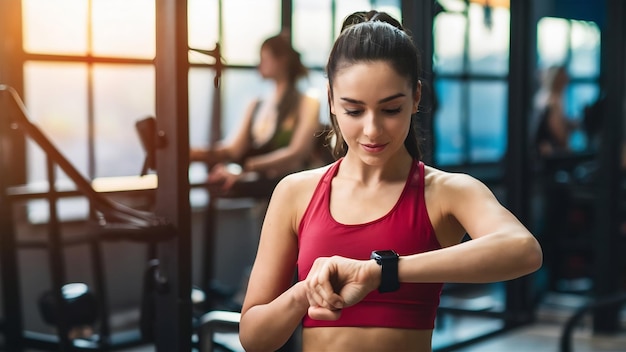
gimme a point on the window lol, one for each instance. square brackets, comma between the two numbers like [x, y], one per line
[85, 74]
[470, 63]
[88, 76]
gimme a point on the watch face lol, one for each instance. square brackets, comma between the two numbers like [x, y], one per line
[387, 253]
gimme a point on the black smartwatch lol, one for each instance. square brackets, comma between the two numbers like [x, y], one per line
[388, 260]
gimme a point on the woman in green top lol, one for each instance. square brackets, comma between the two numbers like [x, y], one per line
[277, 134]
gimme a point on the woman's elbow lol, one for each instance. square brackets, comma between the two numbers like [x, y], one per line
[532, 254]
[246, 337]
[245, 342]
[250, 344]
[253, 339]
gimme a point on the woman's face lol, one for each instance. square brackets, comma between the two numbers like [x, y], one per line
[270, 65]
[373, 106]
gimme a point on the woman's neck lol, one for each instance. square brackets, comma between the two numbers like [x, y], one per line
[280, 87]
[395, 168]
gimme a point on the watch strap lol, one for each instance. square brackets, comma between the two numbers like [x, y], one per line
[388, 260]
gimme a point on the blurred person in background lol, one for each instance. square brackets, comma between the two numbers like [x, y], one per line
[277, 132]
[551, 128]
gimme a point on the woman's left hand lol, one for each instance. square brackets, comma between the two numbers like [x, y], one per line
[337, 282]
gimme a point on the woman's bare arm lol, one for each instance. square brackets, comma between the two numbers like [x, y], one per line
[273, 308]
[501, 248]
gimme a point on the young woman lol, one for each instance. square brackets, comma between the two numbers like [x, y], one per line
[374, 235]
[277, 134]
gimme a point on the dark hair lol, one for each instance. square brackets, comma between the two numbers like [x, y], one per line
[374, 36]
[281, 47]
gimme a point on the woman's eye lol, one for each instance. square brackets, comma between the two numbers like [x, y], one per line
[385, 111]
[393, 111]
[353, 112]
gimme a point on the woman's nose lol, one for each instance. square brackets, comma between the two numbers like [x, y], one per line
[372, 125]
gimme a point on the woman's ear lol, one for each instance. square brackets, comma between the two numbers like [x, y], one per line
[417, 97]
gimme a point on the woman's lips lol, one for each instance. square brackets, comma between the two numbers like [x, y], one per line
[373, 148]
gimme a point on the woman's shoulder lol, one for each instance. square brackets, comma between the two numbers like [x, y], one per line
[309, 99]
[449, 181]
[453, 194]
[296, 190]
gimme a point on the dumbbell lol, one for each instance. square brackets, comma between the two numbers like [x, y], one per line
[80, 309]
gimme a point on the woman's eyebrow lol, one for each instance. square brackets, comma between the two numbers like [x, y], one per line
[383, 100]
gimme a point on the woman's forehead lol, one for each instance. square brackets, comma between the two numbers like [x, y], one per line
[369, 74]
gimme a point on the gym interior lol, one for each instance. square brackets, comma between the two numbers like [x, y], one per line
[111, 240]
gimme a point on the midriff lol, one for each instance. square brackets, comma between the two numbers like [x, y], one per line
[333, 339]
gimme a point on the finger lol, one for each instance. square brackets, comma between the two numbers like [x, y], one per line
[319, 282]
[325, 287]
[319, 313]
[317, 295]
[229, 181]
[218, 175]
[314, 298]
[329, 298]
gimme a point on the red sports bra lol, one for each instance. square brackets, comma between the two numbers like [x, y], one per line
[405, 229]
